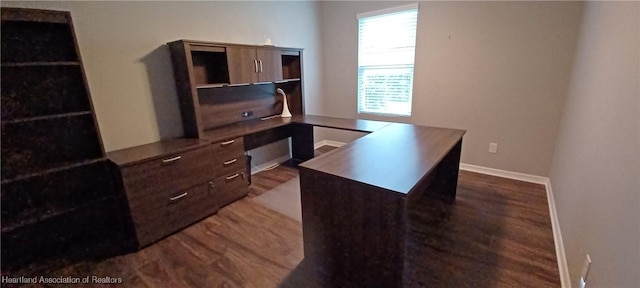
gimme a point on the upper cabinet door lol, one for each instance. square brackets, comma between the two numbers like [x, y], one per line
[251, 65]
[269, 65]
[243, 65]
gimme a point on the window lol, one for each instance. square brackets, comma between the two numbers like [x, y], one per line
[386, 52]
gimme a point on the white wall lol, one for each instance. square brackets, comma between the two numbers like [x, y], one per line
[129, 68]
[596, 165]
[500, 70]
[497, 69]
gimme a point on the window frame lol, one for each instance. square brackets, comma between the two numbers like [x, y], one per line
[360, 98]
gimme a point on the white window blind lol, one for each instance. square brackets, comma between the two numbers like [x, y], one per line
[386, 53]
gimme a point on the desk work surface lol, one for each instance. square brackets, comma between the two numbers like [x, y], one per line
[395, 157]
[257, 125]
[359, 125]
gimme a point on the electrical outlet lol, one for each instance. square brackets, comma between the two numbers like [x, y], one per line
[585, 271]
[493, 147]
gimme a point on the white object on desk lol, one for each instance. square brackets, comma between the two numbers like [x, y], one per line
[285, 108]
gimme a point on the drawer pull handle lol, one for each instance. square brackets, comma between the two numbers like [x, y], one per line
[172, 159]
[213, 186]
[227, 143]
[227, 163]
[232, 176]
[178, 197]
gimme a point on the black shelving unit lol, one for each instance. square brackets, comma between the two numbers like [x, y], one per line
[58, 199]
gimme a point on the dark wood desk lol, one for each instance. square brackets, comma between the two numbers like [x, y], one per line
[258, 132]
[302, 132]
[354, 200]
[254, 126]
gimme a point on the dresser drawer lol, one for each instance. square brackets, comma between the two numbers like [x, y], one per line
[188, 206]
[229, 146]
[150, 222]
[151, 181]
[226, 165]
[231, 187]
[173, 212]
[229, 157]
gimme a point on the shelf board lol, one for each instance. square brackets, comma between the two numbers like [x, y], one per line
[215, 85]
[218, 85]
[33, 220]
[35, 64]
[46, 117]
[52, 170]
[205, 48]
[287, 80]
[34, 15]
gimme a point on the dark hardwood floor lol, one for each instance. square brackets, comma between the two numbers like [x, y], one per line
[496, 234]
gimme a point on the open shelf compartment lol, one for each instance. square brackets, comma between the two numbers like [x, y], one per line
[210, 68]
[32, 91]
[24, 41]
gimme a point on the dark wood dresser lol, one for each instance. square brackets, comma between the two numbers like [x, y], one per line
[174, 183]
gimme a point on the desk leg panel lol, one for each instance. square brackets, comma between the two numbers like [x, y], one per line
[446, 180]
[302, 142]
[353, 233]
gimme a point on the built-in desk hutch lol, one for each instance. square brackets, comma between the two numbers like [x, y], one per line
[222, 90]
[220, 84]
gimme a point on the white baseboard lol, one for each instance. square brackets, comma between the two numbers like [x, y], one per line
[264, 166]
[505, 174]
[565, 279]
[328, 143]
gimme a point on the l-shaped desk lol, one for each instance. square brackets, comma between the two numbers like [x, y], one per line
[355, 198]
